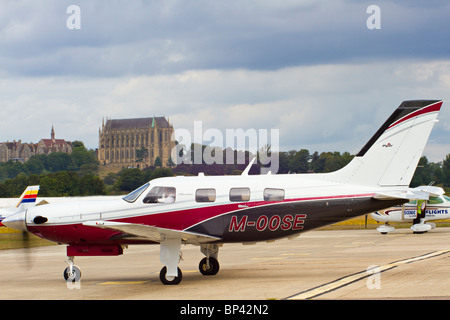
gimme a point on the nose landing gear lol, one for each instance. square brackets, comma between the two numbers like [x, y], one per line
[72, 273]
[209, 266]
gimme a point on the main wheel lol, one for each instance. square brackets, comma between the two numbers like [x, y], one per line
[213, 267]
[170, 280]
[73, 276]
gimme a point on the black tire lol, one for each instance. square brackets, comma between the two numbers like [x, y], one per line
[75, 276]
[164, 280]
[213, 267]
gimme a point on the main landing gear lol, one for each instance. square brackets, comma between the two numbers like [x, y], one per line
[170, 256]
[208, 266]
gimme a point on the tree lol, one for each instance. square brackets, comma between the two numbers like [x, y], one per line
[129, 179]
[59, 161]
[158, 162]
[299, 162]
[446, 171]
[91, 185]
[141, 154]
[80, 155]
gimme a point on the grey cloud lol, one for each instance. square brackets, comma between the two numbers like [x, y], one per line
[152, 37]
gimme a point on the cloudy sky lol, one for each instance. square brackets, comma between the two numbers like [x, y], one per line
[310, 68]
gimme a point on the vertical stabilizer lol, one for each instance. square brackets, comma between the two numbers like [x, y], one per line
[28, 198]
[391, 156]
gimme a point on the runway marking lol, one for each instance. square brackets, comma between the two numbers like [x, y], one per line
[342, 282]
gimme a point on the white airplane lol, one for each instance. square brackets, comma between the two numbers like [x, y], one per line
[26, 200]
[209, 211]
[436, 208]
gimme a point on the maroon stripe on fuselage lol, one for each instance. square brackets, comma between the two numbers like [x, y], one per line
[177, 220]
[184, 219]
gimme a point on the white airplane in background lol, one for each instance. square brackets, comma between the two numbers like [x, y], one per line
[26, 200]
[210, 211]
[29, 198]
[436, 208]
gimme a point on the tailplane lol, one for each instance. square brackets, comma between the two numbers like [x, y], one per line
[28, 198]
[390, 157]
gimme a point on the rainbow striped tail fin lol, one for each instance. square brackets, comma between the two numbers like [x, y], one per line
[28, 198]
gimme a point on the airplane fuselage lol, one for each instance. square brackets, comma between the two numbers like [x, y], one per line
[232, 209]
[433, 211]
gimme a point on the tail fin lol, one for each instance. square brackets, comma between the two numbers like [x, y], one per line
[392, 154]
[28, 198]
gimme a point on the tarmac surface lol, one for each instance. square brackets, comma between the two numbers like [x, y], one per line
[338, 264]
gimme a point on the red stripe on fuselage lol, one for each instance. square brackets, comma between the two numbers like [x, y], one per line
[176, 220]
[184, 219]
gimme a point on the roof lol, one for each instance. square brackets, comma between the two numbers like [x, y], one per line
[118, 124]
[49, 142]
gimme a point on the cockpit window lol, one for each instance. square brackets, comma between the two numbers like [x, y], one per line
[435, 200]
[133, 195]
[160, 195]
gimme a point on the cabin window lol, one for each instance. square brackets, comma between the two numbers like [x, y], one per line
[132, 196]
[239, 194]
[435, 200]
[160, 195]
[205, 195]
[271, 194]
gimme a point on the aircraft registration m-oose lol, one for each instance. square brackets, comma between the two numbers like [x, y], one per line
[209, 211]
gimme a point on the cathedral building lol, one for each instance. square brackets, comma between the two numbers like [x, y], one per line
[136, 143]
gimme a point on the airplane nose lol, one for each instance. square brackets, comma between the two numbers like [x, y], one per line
[16, 221]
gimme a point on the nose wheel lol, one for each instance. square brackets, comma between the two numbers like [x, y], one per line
[209, 266]
[72, 273]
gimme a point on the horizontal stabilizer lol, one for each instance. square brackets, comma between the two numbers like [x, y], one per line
[418, 193]
[152, 233]
[432, 191]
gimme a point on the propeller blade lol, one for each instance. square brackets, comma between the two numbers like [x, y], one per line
[26, 243]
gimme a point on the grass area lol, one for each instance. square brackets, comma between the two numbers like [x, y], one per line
[103, 171]
[12, 239]
[355, 223]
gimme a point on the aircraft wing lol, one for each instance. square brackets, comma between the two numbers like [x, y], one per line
[418, 193]
[152, 233]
